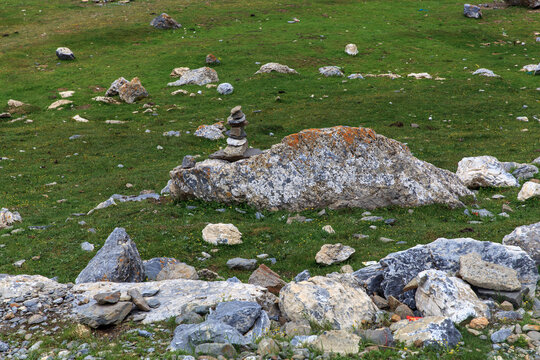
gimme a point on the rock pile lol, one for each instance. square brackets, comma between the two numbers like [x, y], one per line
[316, 168]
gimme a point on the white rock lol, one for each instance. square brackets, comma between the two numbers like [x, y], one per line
[351, 49]
[329, 229]
[78, 118]
[8, 218]
[218, 234]
[423, 75]
[211, 132]
[522, 118]
[485, 72]
[59, 103]
[15, 103]
[484, 171]
[179, 71]
[528, 190]
[333, 253]
[66, 94]
[225, 89]
[19, 263]
[86, 246]
[268, 68]
[338, 342]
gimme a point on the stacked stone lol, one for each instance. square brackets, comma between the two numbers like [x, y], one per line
[237, 143]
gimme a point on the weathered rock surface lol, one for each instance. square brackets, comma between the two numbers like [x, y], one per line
[269, 67]
[333, 253]
[487, 275]
[200, 76]
[338, 342]
[107, 298]
[527, 237]
[441, 295]
[103, 315]
[188, 336]
[524, 171]
[115, 86]
[132, 91]
[16, 286]
[153, 266]
[331, 71]
[222, 234]
[174, 295]
[528, 190]
[266, 278]
[396, 270]
[179, 71]
[117, 261]
[64, 53]
[431, 330]
[241, 315]
[485, 72]
[533, 4]
[8, 218]
[123, 198]
[334, 167]
[241, 264]
[484, 171]
[177, 270]
[225, 89]
[211, 132]
[165, 22]
[472, 11]
[351, 49]
[55, 105]
[335, 300]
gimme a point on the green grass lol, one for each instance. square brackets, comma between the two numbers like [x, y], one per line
[116, 40]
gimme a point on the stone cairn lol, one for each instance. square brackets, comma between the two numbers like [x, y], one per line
[237, 144]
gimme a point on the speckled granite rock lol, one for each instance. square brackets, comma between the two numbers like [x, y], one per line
[484, 171]
[132, 91]
[200, 76]
[268, 68]
[334, 167]
[430, 331]
[526, 237]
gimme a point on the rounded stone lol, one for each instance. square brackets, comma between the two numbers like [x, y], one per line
[225, 89]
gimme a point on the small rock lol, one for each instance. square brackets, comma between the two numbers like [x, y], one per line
[165, 22]
[333, 253]
[107, 298]
[241, 264]
[351, 49]
[64, 53]
[501, 335]
[227, 234]
[138, 300]
[225, 89]
[330, 71]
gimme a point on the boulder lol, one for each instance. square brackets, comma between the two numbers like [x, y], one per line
[200, 76]
[528, 190]
[487, 275]
[441, 295]
[153, 266]
[132, 91]
[335, 300]
[8, 218]
[269, 67]
[241, 315]
[331, 71]
[117, 261]
[188, 336]
[222, 234]
[333, 253]
[527, 237]
[430, 331]
[396, 270]
[472, 11]
[484, 171]
[338, 342]
[165, 22]
[177, 270]
[266, 278]
[115, 86]
[335, 167]
[64, 53]
[104, 315]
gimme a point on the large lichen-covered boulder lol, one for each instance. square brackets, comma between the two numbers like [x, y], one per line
[117, 261]
[334, 167]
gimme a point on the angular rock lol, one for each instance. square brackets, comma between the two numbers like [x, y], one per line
[333, 253]
[241, 264]
[104, 315]
[4, 347]
[532, 4]
[106, 100]
[200, 76]
[58, 103]
[64, 53]
[525, 172]
[403, 311]
[115, 86]
[485, 72]
[293, 328]
[302, 276]
[132, 91]
[179, 71]
[472, 11]
[216, 349]
[225, 89]
[396, 270]
[123, 198]
[86, 246]
[241, 315]
[430, 331]
[269, 67]
[337, 301]
[514, 297]
[331, 71]
[506, 316]
[484, 171]
[222, 234]
[8, 218]
[260, 328]
[188, 336]
[527, 237]
[117, 261]
[138, 300]
[165, 22]
[267, 346]
[211, 132]
[153, 266]
[177, 270]
[338, 342]
[334, 167]
[528, 190]
[487, 275]
[501, 335]
[443, 295]
[382, 336]
[107, 298]
[351, 49]
[266, 278]
[479, 323]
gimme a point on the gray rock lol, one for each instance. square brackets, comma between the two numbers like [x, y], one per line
[166, 189]
[115, 86]
[104, 315]
[472, 11]
[138, 300]
[190, 317]
[514, 297]
[485, 72]
[64, 53]
[396, 270]
[225, 89]
[239, 314]
[144, 333]
[526, 237]
[501, 335]
[331, 71]
[165, 22]
[525, 172]
[478, 212]
[86, 246]
[431, 331]
[200, 76]
[177, 270]
[260, 328]
[107, 298]
[117, 261]
[153, 266]
[382, 336]
[506, 316]
[302, 276]
[123, 198]
[216, 349]
[335, 167]
[4, 347]
[300, 340]
[188, 162]
[36, 319]
[210, 132]
[242, 264]
[188, 336]
[269, 67]
[153, 303]
[355, 76]
[487, 275]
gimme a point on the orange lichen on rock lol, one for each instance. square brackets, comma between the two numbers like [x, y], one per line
[348, 134]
